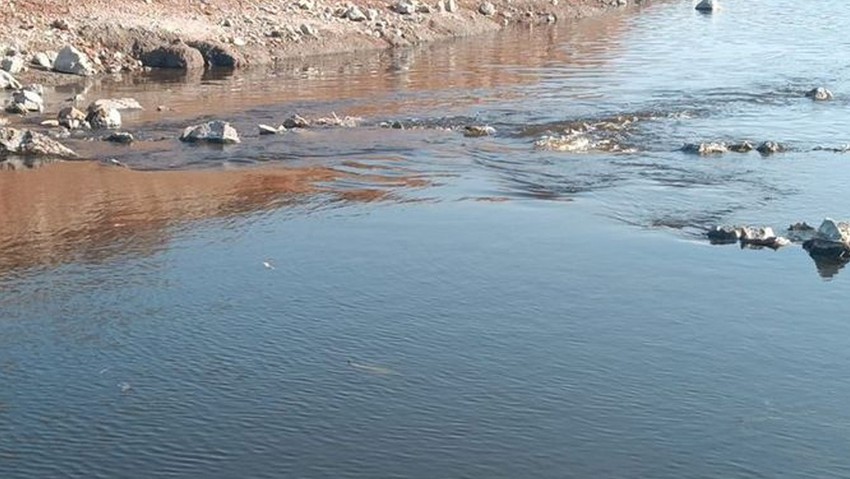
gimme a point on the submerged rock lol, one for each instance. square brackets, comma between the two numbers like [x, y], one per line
[70, 60]
[211, 132]
[770, 147]
[268, 130]
[122, 137]
[830, 246]
[742, 147]
[706, 148]
[819, 94]
[474, 131]
[15, 142]
[116, 103]
[296, 121]
[217, 54]
[724, 234]
[706, 6]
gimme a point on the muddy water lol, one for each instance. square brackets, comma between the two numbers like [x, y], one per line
[373, 302]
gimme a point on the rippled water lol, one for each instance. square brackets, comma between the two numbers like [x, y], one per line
[373, 302]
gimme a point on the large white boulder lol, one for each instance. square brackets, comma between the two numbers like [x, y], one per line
[70, 60]
[211, 132]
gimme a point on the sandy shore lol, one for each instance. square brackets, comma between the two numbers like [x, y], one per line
[255, 32]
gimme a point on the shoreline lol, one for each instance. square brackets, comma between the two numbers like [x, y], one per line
[183, 35]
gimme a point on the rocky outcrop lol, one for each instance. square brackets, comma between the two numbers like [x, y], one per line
[176, 55]
[742, 147]
[831, 239]
[216, 54]
[770, 147]
[211, 132]
[28, 143]
[749, 236]
[72, 61]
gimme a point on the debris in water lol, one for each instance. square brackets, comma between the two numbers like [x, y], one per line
[370, 369]
[125, 387]
[268, 265]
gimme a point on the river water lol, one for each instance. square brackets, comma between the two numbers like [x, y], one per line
[374, 302]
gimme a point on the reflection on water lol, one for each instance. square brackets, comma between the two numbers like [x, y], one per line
[86, 212]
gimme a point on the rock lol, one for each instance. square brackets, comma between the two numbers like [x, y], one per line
[71, 118]
[762, 236]
[487, 9]
[70, 60]
[8, 82]
[743, 147]
[706, 6]
[405, 7]
[450, 6]
[801, 226]
[296, 121]
[60, 24]
[819, 94]
[474, 131]
[268, 130]
[44, 60]
[13, 65]
[210, 132]
[50, 123]
[801, 232]
[120, 137]
[25, 100]
[217, 54]
[372, 14]
[831, 241]
[176, 55]
[104, 117]
[116, 103]
[334, 120]
[15, 142]
[770, 147]
[240, 42]
[724, 234]
[306, 4]
[355, 14]
[705, 148]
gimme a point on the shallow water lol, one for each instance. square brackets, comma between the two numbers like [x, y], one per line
[372, 302]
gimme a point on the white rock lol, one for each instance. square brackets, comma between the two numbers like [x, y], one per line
[8, 82]
[355, 14]
[30, 143]
[450, 5]
[268, 130]
[71, 118]
[487, 9]
[820, 94]
[44, 60]
[405, 7]
[25, 100]
[70, 60]
[104, 117]
[211, 132]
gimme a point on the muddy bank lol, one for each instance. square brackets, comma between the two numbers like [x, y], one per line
[124, 36]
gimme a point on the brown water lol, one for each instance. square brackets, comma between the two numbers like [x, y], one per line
[372, 302]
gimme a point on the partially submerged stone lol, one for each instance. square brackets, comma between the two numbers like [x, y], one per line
[770, 147]
[742, 147]
[705, 148]
[116, 103]
[762, 236]
[474, 131]
[26, 100]
[724, 234]
[70, 60]
[268, 130]
[71, 118]
[176, 55]
[26, 143]
[819, 94]
[706, 6]
[296, 121]
[121, 137]
[104, 117]
[831, 241]
[211, 132]
[334, 120]
[217, 54]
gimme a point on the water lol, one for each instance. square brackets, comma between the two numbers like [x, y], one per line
[414, 303]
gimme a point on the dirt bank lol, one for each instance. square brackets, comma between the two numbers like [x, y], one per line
[115, 33]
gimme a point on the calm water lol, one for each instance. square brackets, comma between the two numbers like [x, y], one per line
[413, 303]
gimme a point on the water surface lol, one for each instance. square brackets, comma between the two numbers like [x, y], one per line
[373, 302]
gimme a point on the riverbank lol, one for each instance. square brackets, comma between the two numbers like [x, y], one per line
[119, 36]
